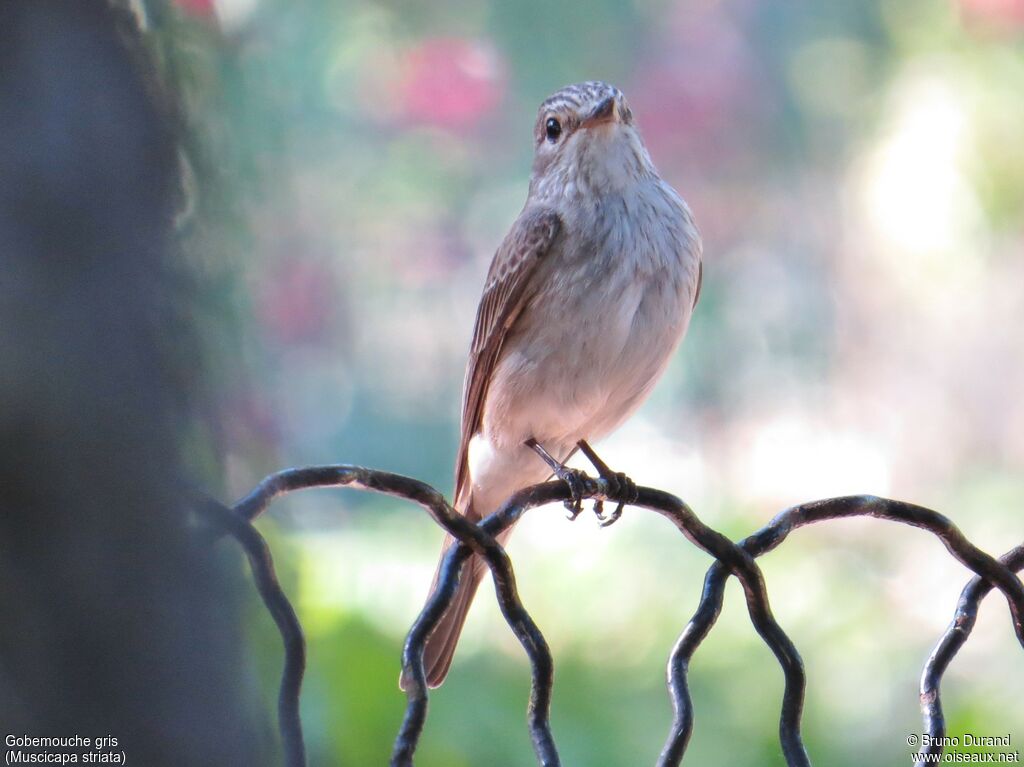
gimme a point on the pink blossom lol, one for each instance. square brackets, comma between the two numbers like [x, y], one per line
[998, 15]
[196, 7]
[295, 303]
[451, 83]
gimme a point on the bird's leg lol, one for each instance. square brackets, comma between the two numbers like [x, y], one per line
[574, 478]
[621, 488]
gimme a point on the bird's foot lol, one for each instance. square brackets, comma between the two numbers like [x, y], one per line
[621, 489]
[576, 480]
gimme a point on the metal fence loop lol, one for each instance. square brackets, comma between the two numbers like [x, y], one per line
[730, 559]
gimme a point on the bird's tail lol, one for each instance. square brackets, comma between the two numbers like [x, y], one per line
[440, 645]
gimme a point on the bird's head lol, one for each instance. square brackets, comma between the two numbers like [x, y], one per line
[587, 142]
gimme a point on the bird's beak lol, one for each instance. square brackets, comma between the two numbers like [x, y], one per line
[606, 111]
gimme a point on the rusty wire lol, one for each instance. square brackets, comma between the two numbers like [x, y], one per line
[730, 559]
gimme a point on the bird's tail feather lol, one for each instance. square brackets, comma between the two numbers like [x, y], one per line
[440, 645]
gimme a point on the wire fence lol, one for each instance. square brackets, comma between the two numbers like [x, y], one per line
[731, 559]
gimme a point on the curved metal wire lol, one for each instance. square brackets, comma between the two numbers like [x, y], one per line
[472, 538]
[262, 564]
[730, 559]
[735, 560]
[955, 636]
[990, 571]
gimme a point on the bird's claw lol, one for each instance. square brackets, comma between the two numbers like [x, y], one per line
[576, 480]
[620, 489]
[611, 519]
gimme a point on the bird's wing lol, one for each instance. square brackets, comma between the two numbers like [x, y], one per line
[506, 291]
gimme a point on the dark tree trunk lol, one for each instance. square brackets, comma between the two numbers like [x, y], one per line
[113, 621]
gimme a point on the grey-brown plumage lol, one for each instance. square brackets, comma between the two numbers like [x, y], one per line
[584, 303]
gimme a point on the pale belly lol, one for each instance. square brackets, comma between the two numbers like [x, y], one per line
[577, 367]
[564, 377]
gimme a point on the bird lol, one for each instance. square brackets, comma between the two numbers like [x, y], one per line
[585, 302]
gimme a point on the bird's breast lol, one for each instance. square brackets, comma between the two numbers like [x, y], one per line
[611, 302]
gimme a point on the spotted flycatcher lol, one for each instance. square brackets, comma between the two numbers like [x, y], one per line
[585, 301]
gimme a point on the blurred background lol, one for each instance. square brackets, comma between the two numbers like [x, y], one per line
[857, 172]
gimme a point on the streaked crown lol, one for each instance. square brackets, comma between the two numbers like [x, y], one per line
[579, 96]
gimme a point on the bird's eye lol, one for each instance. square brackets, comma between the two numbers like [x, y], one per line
[552, 129]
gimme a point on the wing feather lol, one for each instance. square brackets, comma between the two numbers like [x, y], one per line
[506, 291]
